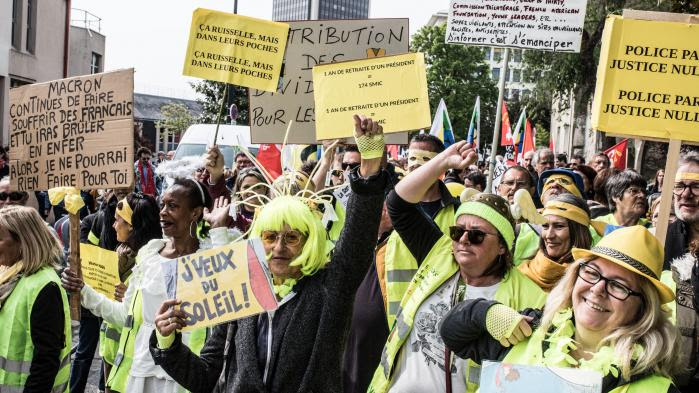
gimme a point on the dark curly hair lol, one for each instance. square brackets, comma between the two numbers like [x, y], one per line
[145, 221]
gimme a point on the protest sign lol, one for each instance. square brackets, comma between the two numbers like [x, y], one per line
[519, 378]
[235, 49]
[222, 284]
[392, 90]
[74, 132]
[554, 25]
[319, 42]
[100, 269]
[648, 79]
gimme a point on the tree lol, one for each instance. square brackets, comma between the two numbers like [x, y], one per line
[458, 74]
[176, 118]
[210, 94]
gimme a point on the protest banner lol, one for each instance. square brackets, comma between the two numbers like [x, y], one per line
[392, 90]
[319, 42]
[519, 378]
[235, 49]
[221, 284]
[554, 25]
[74, 132]
[100, 269]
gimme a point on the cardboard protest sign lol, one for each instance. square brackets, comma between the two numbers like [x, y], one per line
[222, 284]
[554, 25]
[319, 42]
[73, 132]
[100, 269]
[391, 90]
[648, 79]
[235, 49]
[519, 378]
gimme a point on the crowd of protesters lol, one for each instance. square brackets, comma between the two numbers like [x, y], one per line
[420, 275]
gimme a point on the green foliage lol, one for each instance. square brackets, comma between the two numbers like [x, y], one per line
[458, 74]
[210, 94]
[176, 118]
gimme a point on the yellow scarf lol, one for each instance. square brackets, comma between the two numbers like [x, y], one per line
[6, 273]
[544, 271]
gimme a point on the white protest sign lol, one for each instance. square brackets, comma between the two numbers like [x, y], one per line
[554, 25]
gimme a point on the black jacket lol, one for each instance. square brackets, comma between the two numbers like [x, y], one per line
[676, 242]
[308, 332]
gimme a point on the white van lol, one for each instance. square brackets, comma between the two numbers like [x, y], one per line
[198, 136]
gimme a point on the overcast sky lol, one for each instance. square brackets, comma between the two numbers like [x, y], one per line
[151, 36]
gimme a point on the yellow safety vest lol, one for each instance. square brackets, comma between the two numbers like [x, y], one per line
[515, 290]
[401, 266]
[16, 346]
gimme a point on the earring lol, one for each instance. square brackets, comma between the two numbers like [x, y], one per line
[192, 232]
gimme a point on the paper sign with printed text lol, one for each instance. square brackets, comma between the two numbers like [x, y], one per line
[497, 377]
[392, 90]
[222, 284]
[554, 25]
[648, 79]
[235, 49]
[311, 43]
[100, 269]
[75, 132]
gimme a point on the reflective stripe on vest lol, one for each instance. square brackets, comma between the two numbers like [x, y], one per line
[401, 266]
[15, 366]
[515, 290]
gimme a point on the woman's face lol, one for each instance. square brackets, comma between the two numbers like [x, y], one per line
[661, 176]
[556, 236]
[282, 247]
[122, 228]
[595, 310]
[9, 248]
[476, 256]
[251, 186]
[176, 216]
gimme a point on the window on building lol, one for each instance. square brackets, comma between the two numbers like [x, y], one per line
[516, 75]
[486, 52]
[31, 26]
[96, 63]
[525, 93]
[495, 73]
[507, 76]
[517, 55]
[497, 54]
[515, 94]
[16, 22]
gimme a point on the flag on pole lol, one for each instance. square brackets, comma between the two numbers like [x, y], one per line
[617, 154]
[506, 132]
[474, 129]
[269, 157]
[518, 135]
[528, 144]
[551, 144]
[441, 125]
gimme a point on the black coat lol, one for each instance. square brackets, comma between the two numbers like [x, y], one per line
[309, 331]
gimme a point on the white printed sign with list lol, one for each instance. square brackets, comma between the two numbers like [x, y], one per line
[554, 25]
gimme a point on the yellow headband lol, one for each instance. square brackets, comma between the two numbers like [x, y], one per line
[686, 176]
[419, 157]
[125, 211]
[567, 210]
[569, 184]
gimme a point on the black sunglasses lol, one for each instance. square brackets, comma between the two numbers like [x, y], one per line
[475, 236]
[14, 196]
[336, 172]
[350, 165]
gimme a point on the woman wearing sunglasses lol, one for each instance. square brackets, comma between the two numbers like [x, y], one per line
[604, 315]
[181, 219]
[473, 261]
[567, 226]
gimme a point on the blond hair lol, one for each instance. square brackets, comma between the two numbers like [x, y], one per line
[38, 247]
[651, 329]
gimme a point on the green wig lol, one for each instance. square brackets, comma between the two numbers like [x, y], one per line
[293, 212]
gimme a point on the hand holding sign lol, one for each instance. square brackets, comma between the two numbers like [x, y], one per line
[170, 318]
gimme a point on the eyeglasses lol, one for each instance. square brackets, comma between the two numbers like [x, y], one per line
[350, 165]
[614, 288]
[474, 236]
[14, 196]
[290, 238]
[336, 172]
[519, 184]
[679, 188]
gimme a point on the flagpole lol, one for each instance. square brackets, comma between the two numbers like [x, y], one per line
[498, 118]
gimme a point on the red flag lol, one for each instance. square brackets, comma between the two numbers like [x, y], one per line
[617, 154]
[270, 158]
[506, 133]
[528, 144]
[551, 144]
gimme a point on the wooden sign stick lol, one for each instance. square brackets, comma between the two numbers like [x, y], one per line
[75, 263]
[673, 157]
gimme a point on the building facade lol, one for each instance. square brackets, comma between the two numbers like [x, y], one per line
[86, 44]
[319, 9]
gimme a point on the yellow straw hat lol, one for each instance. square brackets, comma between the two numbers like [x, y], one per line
[636, 249]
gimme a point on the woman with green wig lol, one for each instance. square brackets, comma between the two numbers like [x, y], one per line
[474, 260]
[299, 346]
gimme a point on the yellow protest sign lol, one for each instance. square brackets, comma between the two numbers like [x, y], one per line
[223, 284]
[648, 79]
[392, 90]
[235, 49]
[100, 269]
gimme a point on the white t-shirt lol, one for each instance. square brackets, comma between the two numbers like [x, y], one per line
[420, 366]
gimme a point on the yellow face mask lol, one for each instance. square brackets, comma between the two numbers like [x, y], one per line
[564, 181]
[566, 210]
[418, 158]
[686, 176]
[124, 210]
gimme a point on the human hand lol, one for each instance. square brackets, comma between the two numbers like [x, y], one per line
[119, 291]
[458, 156]
[214, 164]
[507, 325]
[369, 137]
[218, 216]
[70, 280]
[168, 319]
